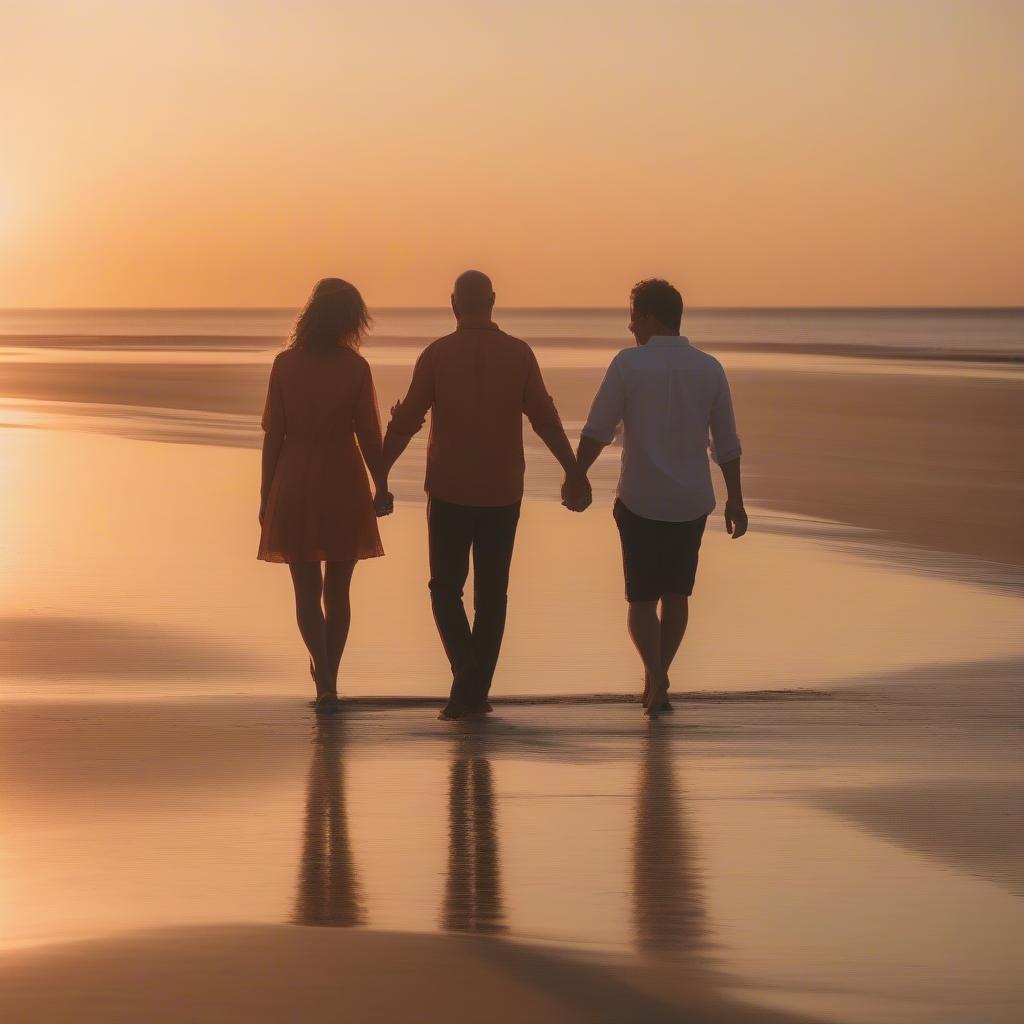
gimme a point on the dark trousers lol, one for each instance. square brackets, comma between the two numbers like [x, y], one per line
[490, 533]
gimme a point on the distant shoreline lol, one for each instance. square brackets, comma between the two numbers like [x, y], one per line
[266, 343]
[730, 310]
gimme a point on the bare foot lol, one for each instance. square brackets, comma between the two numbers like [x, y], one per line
[326, 704]
[645, 697]
[453, 712]
[657, 697]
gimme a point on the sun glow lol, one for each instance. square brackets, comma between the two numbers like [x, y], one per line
[8, 215]
[758, 154]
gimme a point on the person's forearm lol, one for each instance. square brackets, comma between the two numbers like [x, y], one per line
[394, 445]
[587, 452]
[374, 459]
[558, 444]
[371, 448]
[271, 451]
[733, 487]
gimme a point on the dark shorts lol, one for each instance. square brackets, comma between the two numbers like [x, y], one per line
[657, 558]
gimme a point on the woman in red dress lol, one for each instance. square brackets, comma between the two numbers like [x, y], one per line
[315, 504]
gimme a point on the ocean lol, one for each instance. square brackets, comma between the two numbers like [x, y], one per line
[983, 335]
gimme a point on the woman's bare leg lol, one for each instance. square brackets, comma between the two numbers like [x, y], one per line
[308, 583]
[337, 613]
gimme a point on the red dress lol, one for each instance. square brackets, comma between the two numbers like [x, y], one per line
[319, 507]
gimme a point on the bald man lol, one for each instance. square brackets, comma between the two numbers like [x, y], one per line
[477, 383]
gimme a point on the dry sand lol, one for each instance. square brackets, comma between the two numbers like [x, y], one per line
[285, 974]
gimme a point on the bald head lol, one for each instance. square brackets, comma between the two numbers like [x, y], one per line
[473, 294]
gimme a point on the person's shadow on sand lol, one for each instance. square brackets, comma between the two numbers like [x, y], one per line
[473, 900]
[328, 890]
[669, 916]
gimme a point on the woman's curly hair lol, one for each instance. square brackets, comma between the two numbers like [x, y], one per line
[334, 316]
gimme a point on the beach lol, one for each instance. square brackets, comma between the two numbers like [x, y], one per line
[892, 439]
[826, 829]
[852, 856]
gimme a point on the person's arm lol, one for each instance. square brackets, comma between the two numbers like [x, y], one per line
[604, 419]
[726, 451]
[408, 415]
[587, 452]
[547, 424]
[366, 421]
[273, 437]
[735, 514]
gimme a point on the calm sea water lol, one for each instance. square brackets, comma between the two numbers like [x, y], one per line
[961, 334]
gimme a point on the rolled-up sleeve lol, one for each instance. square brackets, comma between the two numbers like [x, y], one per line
[538, 405]
[408, 416]
[725, 442]
[608, 406]
[273, 409]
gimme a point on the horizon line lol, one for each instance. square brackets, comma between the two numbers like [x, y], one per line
[528, 309]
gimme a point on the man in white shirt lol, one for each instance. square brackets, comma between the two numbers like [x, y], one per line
[668, 396]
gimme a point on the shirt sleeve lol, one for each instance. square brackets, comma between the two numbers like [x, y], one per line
[608, 407]
[538, 405]
[409, 415]
[273, 409]
[725, 442]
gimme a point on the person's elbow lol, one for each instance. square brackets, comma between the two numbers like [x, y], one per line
[599, 434]
[405, 422]
[728, 452]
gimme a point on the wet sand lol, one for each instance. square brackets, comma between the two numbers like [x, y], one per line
[922, 456]
[827, 828]
[556, 862]
[130, 572]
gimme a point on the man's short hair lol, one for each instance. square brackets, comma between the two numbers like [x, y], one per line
[659, 299]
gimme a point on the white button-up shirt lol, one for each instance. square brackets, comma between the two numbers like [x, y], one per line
[667, 395]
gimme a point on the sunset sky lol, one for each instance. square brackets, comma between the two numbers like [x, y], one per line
[216, 153]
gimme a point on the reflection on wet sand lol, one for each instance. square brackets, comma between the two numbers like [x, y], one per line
[328, 890]
[473, 900]
[669, 916]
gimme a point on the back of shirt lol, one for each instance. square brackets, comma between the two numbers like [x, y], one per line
[477, 384]
[668, 396]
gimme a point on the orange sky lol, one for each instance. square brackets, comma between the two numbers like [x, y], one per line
[231, 152]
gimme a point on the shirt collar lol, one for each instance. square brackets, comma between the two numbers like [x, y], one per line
[667, 339]
[490, 326]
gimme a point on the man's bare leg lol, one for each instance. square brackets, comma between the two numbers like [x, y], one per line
[675, 612]
[645, 632]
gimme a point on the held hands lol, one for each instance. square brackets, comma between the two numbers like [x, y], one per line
[383, 503]
[735, 519]
[576, 492]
